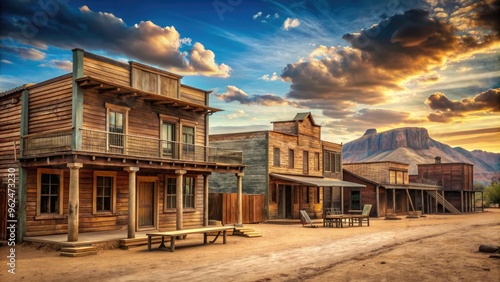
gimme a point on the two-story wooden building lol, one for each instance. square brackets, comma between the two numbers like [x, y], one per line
[289, 164]
[110, 146]
[457, 180]
[388, 189]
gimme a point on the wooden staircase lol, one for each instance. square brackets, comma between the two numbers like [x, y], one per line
[443, 202]
[246, 232]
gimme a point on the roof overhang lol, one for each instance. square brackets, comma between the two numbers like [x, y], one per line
[127, 92]
[411, 186]
[317, 181]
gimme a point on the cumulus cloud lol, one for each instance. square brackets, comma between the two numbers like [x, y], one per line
[268, 77]
[446, 109]
[290, 23]
[84, 28]
[381, 59]
[64, 65]
[233, 93]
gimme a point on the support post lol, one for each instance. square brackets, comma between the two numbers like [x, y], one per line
[394, 201]
[205, 199]
[178, 198]
[377, 194]
[77, 100]
[73, 205]
[240, 197]
[131, 200]
[342, 199]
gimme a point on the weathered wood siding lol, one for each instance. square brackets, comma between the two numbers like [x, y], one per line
[50, 105]
[224, 207]
[287, 127]
[254, 147]
[453, 176]
[376, 171]
[106, 69]
[193, 95]
[89, 222]
[154, 80]
[10, 117]
[335, 148]
[368, 195]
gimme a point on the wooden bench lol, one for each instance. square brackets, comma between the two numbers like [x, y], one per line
[176, 233]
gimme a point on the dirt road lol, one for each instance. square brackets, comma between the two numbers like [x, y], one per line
[437, 248]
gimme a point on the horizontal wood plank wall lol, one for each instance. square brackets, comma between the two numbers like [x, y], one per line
[39, 227]
[50, 106]
[106, 71]
[309, 135]
[253, 145]
[10, 117]
[193, 95]
[453, 176]
[287, 127]
[377, 172]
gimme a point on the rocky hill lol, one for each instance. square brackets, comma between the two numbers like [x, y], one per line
[413, 145]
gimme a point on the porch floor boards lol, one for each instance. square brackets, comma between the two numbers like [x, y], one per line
[86, 238]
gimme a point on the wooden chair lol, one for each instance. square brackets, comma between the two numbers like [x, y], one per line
[364, 216]
[305, 219]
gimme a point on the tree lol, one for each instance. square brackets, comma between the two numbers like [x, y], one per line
[492, 193]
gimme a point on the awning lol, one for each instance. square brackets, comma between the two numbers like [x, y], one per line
[412, 186]
[317, 181]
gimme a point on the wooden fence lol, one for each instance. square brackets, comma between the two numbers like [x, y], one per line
[224, 207]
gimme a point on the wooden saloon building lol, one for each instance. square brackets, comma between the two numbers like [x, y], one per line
[290, 165]
[110, 146]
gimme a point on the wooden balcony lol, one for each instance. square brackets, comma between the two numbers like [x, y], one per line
[101, 142]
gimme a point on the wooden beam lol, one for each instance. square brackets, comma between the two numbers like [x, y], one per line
[110, 89]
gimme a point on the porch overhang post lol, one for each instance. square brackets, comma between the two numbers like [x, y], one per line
[422, 199]
[462, 200]
[377, 194]
[205, 199]
[178, 198]
[342, 199]
[239, 177]
[131, 200]
[394, 201]
[73, 205]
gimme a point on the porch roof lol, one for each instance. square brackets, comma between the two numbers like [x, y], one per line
[317, 181]
[411, 186]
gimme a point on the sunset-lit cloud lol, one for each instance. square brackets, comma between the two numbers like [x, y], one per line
[24, 52]
[144, 41]
[291, 23]
[447, 110]
[235, 94]
[272, 77]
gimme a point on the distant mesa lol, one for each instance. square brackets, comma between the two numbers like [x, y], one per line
[370, 131]
[413, 145]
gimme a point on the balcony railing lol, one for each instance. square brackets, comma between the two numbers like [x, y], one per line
[128, 145]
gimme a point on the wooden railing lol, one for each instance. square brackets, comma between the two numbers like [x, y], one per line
[129, 145]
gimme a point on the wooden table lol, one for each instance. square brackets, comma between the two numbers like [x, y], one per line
[334, 219]
[176, 233]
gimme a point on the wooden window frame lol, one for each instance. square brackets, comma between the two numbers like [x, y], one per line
[276, 157]
[305, 162]
[187, 123]
[176, 122]
[167, 195]
[316, 162]
[291, 158]
[59, 213]
[113, 193]
[119, 109]
[360, 199]
[185, 184]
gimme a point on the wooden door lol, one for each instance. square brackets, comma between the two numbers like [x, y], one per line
[146, 201]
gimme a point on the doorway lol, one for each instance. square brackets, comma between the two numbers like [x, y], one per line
[147, 204]
[285, 202]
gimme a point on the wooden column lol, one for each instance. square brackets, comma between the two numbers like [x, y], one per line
[131, 200]
[342, 199]
[179, 205]
[423, 202]
[377, 195]
[73, 205]
[205, 199]
[394, 201]
[77, 100]
[240, 197]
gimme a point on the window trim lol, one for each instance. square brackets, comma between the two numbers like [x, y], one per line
[276, 162]
[184, 183]
[39, 173]
[305, 162]
[165, 194]
[120, 109]
[291, 158]
[175, 122]
[317, 162]
[113, 193]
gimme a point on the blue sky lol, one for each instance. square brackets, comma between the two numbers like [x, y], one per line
[354, 64]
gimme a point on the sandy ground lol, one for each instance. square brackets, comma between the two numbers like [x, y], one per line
[432, 248]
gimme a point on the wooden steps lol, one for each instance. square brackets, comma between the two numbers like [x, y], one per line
[246, 232]
[443, 202]
[78, 251]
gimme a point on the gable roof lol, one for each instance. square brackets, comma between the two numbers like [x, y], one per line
[303, 116]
